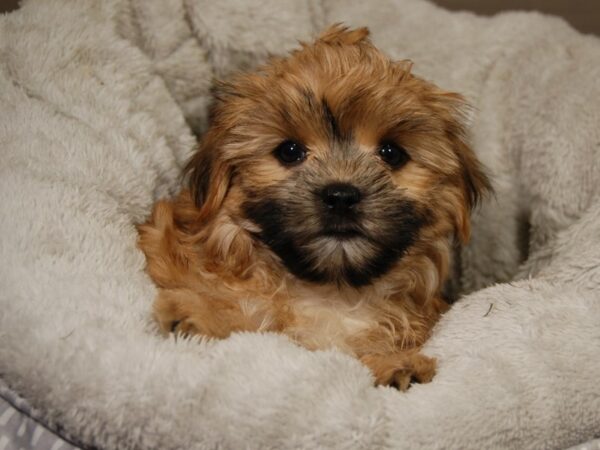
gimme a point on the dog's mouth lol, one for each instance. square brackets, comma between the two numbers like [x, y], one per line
[343, 232]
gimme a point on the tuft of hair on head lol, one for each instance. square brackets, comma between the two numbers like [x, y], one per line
[339, 34]
[405, 64]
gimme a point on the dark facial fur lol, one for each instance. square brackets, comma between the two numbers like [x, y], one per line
[321, 245]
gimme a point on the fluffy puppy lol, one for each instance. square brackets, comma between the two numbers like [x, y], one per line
[323, 203]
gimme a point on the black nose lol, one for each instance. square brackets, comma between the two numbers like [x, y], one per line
[340, 196]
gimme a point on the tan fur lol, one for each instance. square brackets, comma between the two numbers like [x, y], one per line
[216, 277]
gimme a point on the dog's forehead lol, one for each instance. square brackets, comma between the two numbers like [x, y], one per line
[322, 85]
[344, 110]
[366, 101]
[340, 100]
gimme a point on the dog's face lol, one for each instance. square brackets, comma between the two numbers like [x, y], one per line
[340, 159]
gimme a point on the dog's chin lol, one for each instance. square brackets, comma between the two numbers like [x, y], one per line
[342, 258]
[340, 249]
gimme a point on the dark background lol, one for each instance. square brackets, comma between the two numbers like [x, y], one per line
[582, 14]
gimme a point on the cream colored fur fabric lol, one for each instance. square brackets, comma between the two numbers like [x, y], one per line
[97, 103]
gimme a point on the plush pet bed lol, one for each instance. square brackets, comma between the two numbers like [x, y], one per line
[99, 102]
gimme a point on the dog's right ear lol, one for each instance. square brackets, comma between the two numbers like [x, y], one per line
[208, 175]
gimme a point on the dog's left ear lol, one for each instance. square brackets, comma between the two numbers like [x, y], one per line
[208, 175]
[474, 183]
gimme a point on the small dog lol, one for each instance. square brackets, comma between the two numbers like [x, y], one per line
[323, 203]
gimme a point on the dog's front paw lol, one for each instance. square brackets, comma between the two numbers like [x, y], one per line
[173, 310]
[185, 312]
[184, 327]
[400, 370]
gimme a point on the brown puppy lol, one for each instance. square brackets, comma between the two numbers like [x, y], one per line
[323, 203]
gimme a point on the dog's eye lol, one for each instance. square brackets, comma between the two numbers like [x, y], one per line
[290, 152]
[393, 155]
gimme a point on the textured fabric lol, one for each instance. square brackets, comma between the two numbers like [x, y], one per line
[98, 105]
[590, 445]
[19, 430]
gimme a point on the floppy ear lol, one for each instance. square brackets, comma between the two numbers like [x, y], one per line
[475, 184]
[208, 175]
[340, 34]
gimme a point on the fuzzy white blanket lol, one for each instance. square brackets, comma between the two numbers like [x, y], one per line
[97, 104]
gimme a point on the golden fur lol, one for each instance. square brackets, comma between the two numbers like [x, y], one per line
[243, 248]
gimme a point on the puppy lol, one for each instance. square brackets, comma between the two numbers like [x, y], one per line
[323, 203]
